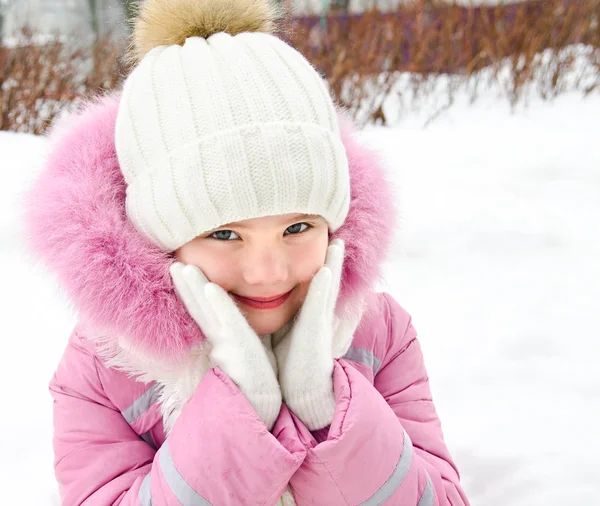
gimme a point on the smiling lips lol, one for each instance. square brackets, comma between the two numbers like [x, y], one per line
[263, 302]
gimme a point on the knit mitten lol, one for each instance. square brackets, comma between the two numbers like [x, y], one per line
[304, 355]
[236, 349]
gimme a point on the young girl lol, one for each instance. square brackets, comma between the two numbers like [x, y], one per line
[219, 232]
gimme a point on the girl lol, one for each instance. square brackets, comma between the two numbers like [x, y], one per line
[219, 231]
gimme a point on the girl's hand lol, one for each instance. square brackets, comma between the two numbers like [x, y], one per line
[236, 348]
[304, 356]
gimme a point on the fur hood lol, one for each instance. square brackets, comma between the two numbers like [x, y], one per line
[118, 281]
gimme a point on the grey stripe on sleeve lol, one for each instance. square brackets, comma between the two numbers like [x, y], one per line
[363, 356]
[141, 404]
[428, 494]
[395, 480]
[145, 494]
[185, 494]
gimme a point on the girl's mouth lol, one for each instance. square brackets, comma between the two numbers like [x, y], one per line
[263, 302]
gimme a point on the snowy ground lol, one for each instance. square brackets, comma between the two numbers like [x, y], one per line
[497, 261]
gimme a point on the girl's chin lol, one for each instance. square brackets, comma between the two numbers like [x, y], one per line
[263, 328]
[264, 324]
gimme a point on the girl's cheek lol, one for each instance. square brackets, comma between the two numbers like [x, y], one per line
[221, 270]
[216, 264]
[311, 257]
[305, 267]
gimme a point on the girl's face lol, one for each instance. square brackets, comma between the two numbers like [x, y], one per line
[266, 264]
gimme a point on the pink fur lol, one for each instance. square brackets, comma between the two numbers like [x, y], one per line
[368, 229]
[119, 281]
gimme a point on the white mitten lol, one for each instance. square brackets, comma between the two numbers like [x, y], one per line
[304, 355]
[236, 348]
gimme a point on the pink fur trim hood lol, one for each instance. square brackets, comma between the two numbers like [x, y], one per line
[75, 222]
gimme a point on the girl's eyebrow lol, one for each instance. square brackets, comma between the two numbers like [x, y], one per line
[236, 225]
[292, 218]
[303, 216]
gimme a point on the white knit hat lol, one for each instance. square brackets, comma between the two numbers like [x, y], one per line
[225, 128]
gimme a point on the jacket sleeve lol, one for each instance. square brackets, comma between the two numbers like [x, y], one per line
[385, 444]
[218, 452]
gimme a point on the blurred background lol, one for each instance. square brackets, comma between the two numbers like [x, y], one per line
[379, 56]
[487, 117]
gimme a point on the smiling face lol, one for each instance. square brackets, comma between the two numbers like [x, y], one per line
[266, 264]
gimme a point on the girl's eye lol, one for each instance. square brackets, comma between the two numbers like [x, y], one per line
[296, 228]
[224, 235]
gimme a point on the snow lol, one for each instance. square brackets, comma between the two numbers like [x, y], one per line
[496, 258]
[37, 324]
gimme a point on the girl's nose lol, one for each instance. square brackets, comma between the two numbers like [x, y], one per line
[266, 266]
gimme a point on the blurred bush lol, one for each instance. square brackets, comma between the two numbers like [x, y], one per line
[41, 75]
[369, 60]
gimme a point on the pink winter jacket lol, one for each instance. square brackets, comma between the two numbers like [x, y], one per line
[385, 444]
[140, 419]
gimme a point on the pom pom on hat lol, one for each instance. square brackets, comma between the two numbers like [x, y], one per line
[171, 22]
